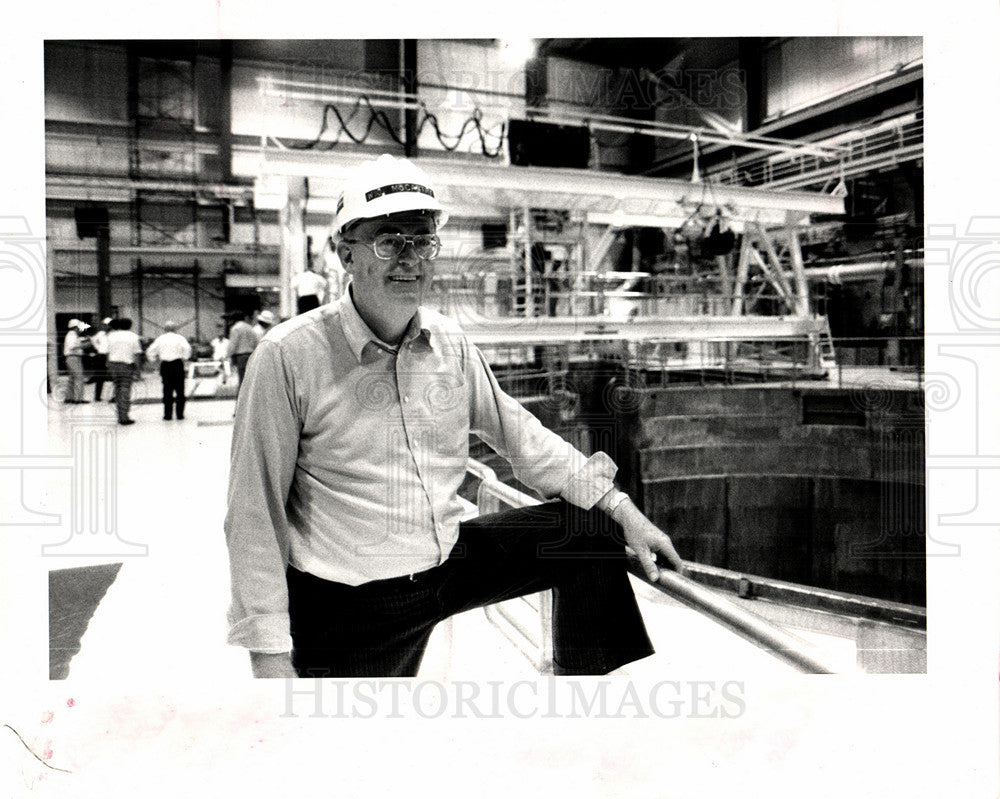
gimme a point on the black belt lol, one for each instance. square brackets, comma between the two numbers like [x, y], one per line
[390, 582]
[415, 577]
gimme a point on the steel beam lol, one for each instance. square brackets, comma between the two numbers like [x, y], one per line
[798, 270]
[772, 253]
[483, 182]
[540, 330]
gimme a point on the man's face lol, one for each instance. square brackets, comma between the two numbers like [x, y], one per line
[394, 286]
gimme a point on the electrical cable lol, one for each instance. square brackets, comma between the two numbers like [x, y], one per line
[380, 118]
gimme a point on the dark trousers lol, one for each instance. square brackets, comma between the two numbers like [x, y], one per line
[100, 375]
[306, 303]
[240, 362]
[172, 375]
[121, 377]
[380, 629]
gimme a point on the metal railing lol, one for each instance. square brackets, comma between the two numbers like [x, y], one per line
[885, 144]
[780, 643]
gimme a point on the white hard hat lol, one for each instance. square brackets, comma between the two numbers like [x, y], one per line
[266, 317]
[387, 185]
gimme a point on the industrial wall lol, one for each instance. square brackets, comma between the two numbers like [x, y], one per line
[817, 486]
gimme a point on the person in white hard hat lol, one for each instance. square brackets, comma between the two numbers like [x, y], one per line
[73, 348]
[265, 321]
[350, 443]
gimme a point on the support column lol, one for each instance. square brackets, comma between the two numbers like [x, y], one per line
[104, 271]
[798, 272]
[529, 289]
[751, 65]
[196, 281]
[54, 343]
[742, 272]
[226, 111]
[293, 256]
[137, 286]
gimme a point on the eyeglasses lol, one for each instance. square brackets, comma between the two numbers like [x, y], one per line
[387, 246]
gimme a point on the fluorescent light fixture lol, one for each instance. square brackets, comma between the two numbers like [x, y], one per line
[517, 51]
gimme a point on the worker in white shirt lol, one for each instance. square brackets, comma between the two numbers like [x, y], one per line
[73, 346]
[220, 353]
[171, 349]
[309, 289]
[100, 342]
[124, 354]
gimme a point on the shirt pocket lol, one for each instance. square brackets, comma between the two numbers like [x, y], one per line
[445, 400]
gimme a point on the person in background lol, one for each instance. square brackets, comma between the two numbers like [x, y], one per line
[124, 354]
[242, 341]
[350, 443]
[220, 352]
[73, 349]
[171, 349]
[265, 321]
[100, 342]
[309, 289]
[333, 270]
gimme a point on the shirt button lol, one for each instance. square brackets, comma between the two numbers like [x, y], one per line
[406, 398]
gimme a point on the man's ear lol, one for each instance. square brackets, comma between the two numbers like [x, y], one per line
[345, 255]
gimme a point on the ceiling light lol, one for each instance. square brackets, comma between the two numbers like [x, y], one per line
[517, 51]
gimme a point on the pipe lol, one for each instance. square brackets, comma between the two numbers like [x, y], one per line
[781, 644]
[839, 274]
[756, 629]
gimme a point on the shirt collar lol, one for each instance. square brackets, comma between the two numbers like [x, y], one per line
[358, 334]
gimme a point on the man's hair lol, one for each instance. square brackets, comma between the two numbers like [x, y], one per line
[122, 324]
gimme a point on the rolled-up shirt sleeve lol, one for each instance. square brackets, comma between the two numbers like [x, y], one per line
[262, 466]
[539, 458]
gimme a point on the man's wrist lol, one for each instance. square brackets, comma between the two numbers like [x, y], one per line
[615, 502]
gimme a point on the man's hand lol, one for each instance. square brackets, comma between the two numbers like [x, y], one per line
[646, 540]
[265, 665]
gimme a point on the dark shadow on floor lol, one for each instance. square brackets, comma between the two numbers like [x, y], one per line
[74, 595]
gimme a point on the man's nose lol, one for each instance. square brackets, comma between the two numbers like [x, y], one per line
[408, 256]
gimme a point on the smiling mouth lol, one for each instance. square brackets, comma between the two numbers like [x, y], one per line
[404, 278]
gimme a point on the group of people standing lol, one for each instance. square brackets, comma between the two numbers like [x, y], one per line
[111, 352]
[115, 353]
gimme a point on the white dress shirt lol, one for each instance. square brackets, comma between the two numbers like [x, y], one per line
[308, 283]
[347, 456]
[169, 346]
[123, 346]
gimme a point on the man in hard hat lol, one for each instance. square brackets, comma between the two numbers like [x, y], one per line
[265, 321]
[350, 444]
[73, 349]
